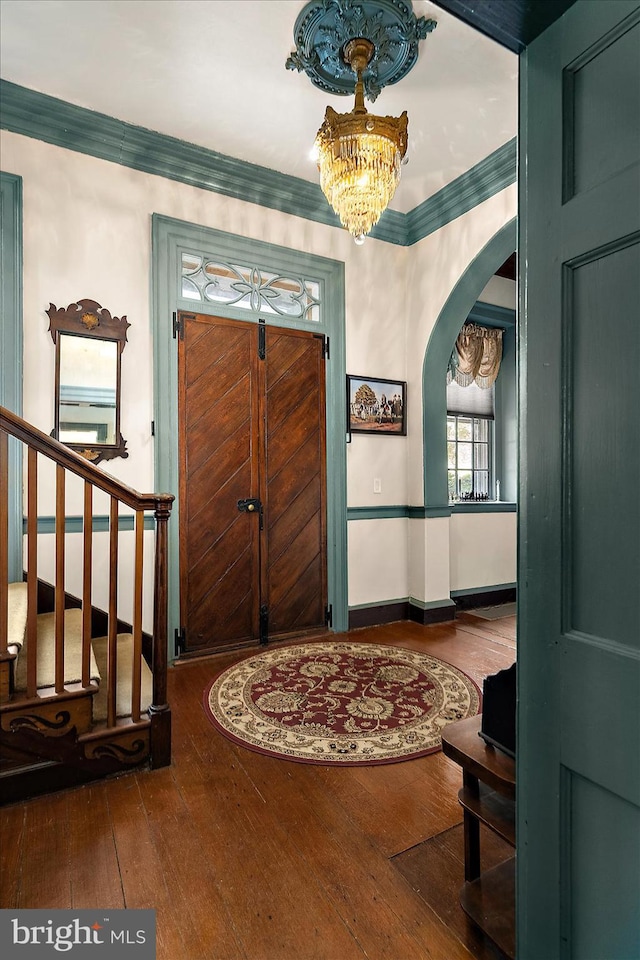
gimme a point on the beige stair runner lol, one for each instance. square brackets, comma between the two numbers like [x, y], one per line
[17, 616]
[46, 670]
[17, 611]
[124, 684]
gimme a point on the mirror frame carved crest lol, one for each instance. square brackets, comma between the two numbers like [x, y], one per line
[87, 318]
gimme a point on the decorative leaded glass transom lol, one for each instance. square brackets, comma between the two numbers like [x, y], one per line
[249, 288]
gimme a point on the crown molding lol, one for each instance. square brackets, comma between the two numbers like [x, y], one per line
[487, 178]
[66, 125]
[85, 131]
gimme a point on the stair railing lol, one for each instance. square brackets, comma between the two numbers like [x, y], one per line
[38, 443]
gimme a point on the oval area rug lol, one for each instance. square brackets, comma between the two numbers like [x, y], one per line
[340, 703]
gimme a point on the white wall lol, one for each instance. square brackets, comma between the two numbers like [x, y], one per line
[433, 267]
[87, 233]
[87, 229]
[377, 561]
[100, 581]
[502, 292]
[436, 264]
[482, 549]
[429, 559]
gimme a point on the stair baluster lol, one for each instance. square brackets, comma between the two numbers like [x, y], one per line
[137, 617]
[87, 570]
[60, 592]
[32, 573]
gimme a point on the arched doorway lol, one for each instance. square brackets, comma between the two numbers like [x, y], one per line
[447, 326]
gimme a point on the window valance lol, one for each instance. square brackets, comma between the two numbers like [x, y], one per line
[476, 356]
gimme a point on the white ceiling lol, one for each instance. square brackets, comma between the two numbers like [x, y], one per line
[212, 72]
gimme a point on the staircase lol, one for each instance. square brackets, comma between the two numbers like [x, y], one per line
[76, 705]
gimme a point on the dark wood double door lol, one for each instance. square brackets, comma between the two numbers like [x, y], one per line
[251, 411]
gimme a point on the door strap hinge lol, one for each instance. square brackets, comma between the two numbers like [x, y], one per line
[178, 326]
[180, 640]
[264, 623]
[262, 340]
[328, 615]
[325, 345]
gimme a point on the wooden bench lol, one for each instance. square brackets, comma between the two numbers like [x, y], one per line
[487, 796]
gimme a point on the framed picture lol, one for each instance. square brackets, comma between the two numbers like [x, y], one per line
[376, 406]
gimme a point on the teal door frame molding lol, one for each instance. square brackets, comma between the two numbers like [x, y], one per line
[11, 349]
[443, 336]
[170, 238]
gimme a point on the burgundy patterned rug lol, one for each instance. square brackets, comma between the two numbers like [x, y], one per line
[340, 703]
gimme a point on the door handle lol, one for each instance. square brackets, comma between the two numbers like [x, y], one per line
[251, 505]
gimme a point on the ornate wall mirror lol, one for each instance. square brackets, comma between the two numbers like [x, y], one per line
[89, 344]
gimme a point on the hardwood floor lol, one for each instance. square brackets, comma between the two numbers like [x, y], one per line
[245, 857]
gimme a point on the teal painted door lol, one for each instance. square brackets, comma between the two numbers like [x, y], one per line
[578, 773]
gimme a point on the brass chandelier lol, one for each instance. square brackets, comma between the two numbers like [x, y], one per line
[359, 155]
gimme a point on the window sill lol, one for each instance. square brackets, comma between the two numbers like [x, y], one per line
[483, 506]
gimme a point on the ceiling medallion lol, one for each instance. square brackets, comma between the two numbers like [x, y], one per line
[324, 28]
[358, 47]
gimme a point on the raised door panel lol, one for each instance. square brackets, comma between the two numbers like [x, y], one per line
[602, 519]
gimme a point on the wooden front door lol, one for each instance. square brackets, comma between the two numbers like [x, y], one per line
[251, 412]
[578, 776]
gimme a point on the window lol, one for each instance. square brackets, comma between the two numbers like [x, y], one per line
[472, 379]
[469, 445]
[249, 288]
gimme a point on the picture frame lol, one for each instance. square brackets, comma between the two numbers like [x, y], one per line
[376, 406]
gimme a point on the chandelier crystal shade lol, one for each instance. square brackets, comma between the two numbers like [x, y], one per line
[359, 155]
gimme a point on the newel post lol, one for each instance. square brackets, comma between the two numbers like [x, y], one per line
[159, 710]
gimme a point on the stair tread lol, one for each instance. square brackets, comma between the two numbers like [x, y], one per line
[46, 653]
[125, 672]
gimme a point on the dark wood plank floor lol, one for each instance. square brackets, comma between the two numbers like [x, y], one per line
[245, 857]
